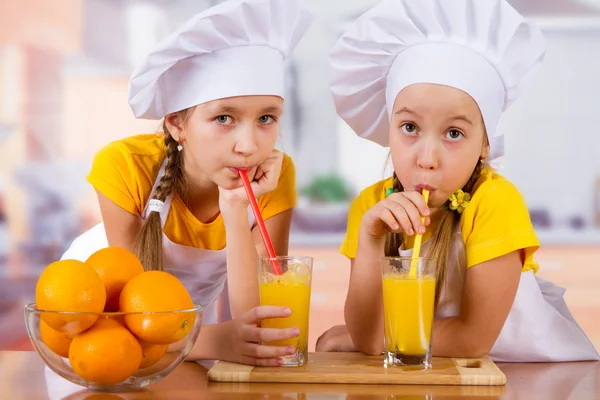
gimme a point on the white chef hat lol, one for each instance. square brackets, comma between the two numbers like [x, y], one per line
[482, 47]
[236, 48]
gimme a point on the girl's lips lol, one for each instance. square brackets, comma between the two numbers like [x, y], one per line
[236, 170]
[420, 188]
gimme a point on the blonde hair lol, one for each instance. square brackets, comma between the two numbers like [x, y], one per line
[148, 243]
[441, 239]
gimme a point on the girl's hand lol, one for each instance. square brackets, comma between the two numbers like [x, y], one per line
[263, 179]
[267, 173]
[399, 212]
[243, 346]
[335, 339]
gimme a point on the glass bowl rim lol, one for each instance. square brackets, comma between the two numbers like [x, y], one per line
[32, 308]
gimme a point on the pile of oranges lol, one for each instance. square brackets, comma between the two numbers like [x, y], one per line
[105, 348]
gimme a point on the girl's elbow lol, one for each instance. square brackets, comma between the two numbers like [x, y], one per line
[368, 346]
[478, 347]
[365, 342]
[370, 349]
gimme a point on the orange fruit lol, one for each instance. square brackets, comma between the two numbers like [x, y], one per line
[156, 291]
[107, 353]
[56, 341]
[116, 266]
[120, 318]
[70, 285]
[152, 353]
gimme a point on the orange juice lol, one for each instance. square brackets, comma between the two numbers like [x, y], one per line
[408, 305]
[293, 292]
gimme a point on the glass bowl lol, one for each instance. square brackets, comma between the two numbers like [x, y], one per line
[104, 346]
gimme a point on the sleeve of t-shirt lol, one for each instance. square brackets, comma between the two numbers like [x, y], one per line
[357, 210]
[365, 200]
[113, 175]
[497, 223]
[284, 196]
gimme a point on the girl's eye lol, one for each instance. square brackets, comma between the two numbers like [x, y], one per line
[454, 135]
[266, 119]
[224, 119]
[409, 128]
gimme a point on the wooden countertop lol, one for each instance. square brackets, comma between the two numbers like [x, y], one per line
[23, 376]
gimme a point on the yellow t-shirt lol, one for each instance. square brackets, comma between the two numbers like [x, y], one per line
[496, 221]
[125, 171]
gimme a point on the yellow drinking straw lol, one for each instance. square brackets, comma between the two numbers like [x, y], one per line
[417, 247]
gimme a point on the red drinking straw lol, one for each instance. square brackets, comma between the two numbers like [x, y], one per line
[260, 221]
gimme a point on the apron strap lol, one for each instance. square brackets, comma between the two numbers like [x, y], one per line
[168, 200]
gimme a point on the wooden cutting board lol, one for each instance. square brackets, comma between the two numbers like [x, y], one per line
[359, 368]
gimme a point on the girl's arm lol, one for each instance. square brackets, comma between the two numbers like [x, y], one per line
[278, 227]
[488, 295]
[363, 310]
[242, 242]
[121, 226]
[242, 270]
[244, 246]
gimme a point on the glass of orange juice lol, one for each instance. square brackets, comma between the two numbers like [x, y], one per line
[408, 307]
[290, 289]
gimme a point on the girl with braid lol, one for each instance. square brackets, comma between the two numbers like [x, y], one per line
[177, 200]
[430, 79]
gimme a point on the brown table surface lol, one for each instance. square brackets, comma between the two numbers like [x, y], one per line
[22, 376]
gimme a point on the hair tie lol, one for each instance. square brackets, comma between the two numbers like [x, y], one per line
[156, 205]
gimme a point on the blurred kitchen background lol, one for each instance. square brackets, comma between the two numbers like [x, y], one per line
[64, 68]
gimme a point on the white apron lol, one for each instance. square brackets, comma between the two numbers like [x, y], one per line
[203, 272]
[539, 327]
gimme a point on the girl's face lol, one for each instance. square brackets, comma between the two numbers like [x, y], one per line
[437, 137]
[221, 136]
